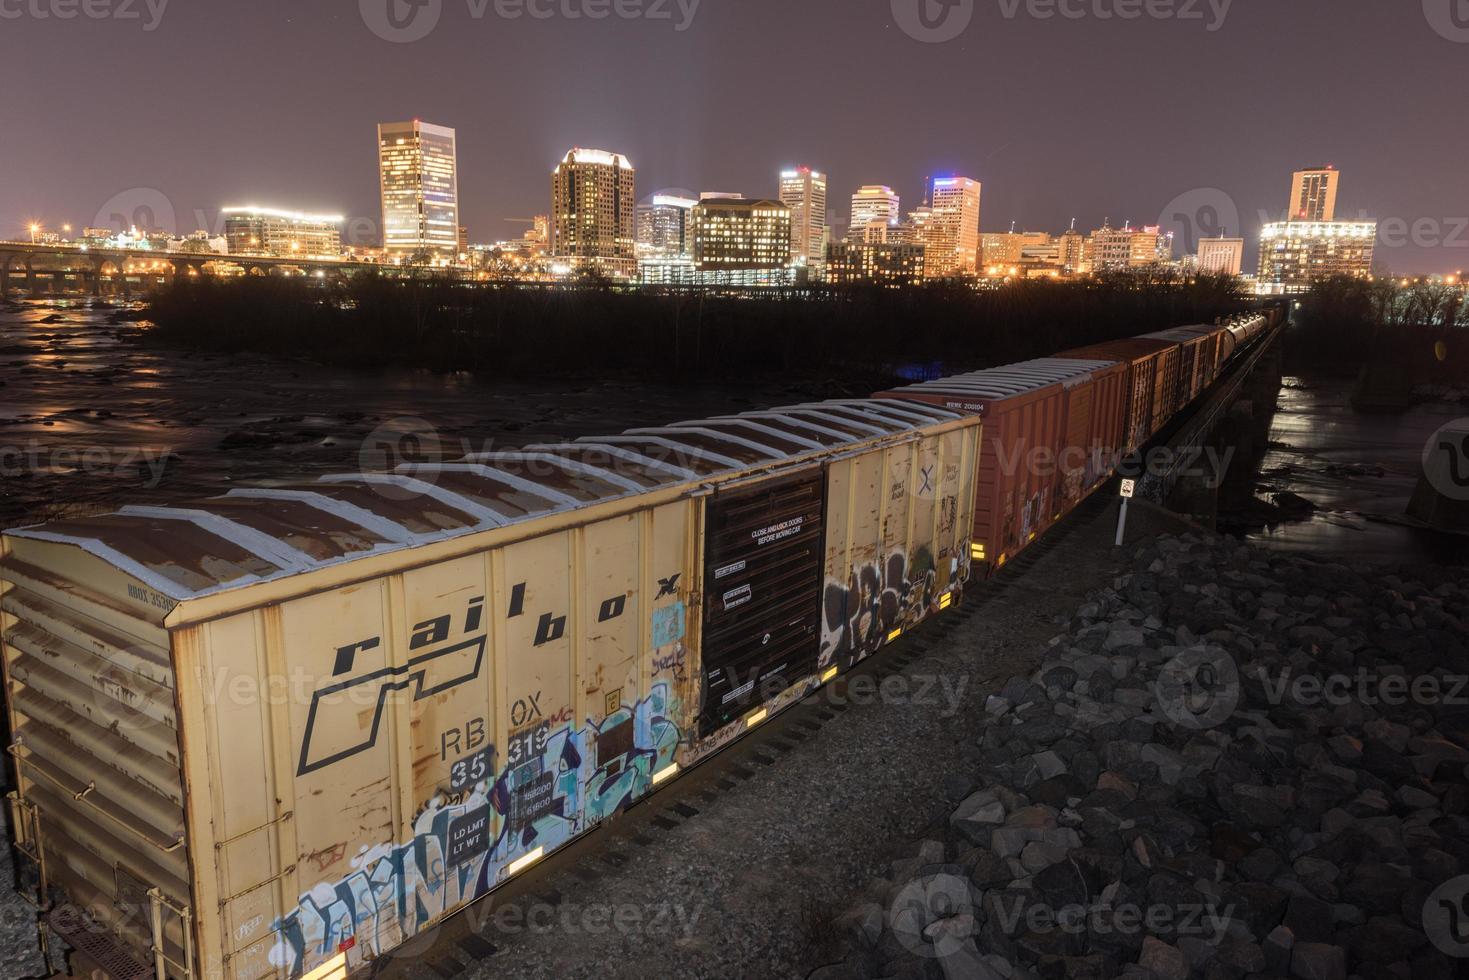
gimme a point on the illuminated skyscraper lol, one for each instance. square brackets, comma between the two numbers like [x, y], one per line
[803, 190]
[1313, 195]
[418, 172]
[271, 231]
[593, 208]
[950, 233]
[875, 210]
[663, 227]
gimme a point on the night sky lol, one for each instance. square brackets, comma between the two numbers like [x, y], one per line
[275, 102]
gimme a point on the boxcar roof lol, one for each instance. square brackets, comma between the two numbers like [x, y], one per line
[1010, 380]
[249, 536]
[1182, 334]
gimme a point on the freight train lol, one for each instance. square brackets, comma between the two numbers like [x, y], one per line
[281, 732]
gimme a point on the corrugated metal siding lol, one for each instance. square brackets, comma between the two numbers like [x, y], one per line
[96, 752]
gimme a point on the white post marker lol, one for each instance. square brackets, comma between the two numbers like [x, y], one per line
[1129, 490]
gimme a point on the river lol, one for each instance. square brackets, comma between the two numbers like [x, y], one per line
[91, 418]
[1359, 469]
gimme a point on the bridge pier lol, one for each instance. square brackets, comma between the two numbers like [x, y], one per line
[5, 261]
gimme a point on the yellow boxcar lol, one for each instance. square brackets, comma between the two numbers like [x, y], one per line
[289, 729]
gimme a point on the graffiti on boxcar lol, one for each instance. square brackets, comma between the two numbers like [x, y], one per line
[876, 598]
[462, 841]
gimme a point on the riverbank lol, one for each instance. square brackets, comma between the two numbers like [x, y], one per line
[860, 335]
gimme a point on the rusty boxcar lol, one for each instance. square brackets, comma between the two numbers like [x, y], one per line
[280, 732]
[1050, 436]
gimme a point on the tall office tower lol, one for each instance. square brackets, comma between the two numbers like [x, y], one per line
[951, 234]
[663, 227]
[1313, 195]
[803, 190]
[1221, 256]
[593, 212]
[875, 209]
[418, 174]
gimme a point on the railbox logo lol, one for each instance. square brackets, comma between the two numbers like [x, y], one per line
[436, 666]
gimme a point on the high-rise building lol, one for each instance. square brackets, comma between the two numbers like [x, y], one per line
[875, 209]
[1221, 256]
[663, 227]
[803, 191]
[950, 232]
[1071, 251]
[1127, 247]
[741, 236]
[891, 264]
[1311, 246]
[418, 173]
[1294, 255]
[255, 230]
[1313, 195]
[593, 206]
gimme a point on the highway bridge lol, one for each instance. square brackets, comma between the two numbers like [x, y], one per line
[55, 269]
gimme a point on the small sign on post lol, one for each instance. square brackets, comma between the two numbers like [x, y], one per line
[1129, 490]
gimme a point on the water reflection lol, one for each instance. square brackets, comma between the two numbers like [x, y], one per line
[1359, 469]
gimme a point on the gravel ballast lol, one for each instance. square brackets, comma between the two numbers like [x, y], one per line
[1232, 764]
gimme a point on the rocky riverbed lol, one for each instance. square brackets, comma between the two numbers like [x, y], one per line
[1232, 764]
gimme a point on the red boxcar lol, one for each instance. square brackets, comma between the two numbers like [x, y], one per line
[1051, 434]
[1144, 359]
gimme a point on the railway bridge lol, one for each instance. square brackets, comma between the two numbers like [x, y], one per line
[52, 269]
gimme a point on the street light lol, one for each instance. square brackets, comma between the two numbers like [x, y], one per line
[35, 230]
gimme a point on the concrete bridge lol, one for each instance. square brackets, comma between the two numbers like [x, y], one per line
[50, 269]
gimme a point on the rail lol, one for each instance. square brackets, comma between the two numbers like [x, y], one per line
[1156, 485]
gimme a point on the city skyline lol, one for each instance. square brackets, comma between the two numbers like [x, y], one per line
[670, 101]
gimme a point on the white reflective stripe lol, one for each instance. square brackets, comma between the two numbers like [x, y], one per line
[713, 434]
[351, 513]
[122, 562]
[459, 502]
[627, 454]
[683, 447]
[749, 422]
[490, 473]
[893, 412]
[803, 423]
[867, 410]
[258, 543]
[873, 429]
[585, 469]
